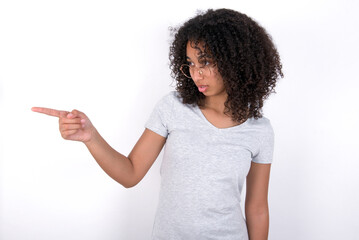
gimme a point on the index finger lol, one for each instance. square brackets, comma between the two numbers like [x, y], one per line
[49, 111]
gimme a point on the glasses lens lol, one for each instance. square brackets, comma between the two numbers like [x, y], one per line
[185, 70]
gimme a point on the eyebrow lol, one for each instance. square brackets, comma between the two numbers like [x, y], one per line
[203, 56]
[188, 59]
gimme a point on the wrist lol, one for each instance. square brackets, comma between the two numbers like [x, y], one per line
[94, 137]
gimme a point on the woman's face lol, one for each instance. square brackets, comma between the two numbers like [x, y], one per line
[204, 73]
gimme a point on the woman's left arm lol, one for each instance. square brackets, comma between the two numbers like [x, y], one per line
[256, 204]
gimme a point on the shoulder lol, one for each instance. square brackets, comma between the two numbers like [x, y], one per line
[265, 137]
[174, 95]
[262, 126]
[262, 123]
[171, 98]
[167, 103]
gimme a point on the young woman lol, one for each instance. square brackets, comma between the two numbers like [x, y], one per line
[225, 66]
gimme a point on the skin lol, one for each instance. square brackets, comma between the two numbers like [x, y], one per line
[130, 170]
[256, 204]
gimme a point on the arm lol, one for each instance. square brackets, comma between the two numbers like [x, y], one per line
[128, 171]
[256, 204]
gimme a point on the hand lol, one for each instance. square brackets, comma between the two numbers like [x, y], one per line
[73, 125]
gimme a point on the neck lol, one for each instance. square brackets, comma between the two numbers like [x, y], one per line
[215, 103]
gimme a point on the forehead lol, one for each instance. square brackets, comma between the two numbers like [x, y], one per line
[195, 49]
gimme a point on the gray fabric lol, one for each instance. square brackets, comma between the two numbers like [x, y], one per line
[203, 171]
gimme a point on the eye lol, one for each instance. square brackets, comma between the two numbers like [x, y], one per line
[191, 64]
[206, 63]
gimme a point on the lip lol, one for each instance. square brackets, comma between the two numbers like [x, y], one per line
[202, 88]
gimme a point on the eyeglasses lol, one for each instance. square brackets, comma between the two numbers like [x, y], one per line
[189, 70]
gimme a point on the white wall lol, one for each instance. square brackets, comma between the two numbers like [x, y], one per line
[110, 60]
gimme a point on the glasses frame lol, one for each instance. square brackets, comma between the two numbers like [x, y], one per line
[202, 70]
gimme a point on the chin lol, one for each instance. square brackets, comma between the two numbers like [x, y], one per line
[210, 94]
[206, 93]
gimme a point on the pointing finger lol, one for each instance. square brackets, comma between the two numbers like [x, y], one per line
[49, 111]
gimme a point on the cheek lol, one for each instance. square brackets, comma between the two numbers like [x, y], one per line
[219, 79]
[217, 75]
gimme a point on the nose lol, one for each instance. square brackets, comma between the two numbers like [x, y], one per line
[197, 74]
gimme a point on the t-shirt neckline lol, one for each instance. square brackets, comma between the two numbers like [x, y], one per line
[217, 128]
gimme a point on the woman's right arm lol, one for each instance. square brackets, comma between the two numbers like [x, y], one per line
[128, 171]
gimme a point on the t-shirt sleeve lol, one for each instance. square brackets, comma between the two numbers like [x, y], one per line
[161, 116]
[266, 145]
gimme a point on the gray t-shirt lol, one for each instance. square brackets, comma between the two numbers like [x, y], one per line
[203, 171]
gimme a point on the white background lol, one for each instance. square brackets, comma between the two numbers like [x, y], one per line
[110, 60]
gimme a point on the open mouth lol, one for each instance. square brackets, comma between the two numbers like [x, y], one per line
[202, 88]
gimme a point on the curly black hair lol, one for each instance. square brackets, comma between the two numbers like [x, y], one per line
[243, 52]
